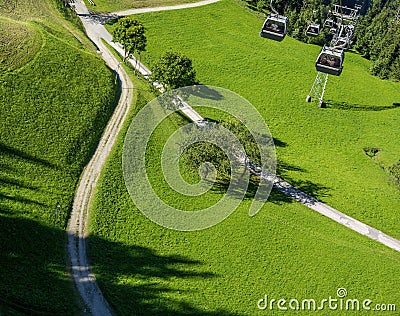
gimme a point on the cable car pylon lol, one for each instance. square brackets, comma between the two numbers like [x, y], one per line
[318, 89]
[343, 21]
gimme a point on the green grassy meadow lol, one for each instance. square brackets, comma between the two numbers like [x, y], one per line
[286, 250]
[56, 95]
[112, 5]
[320, 150]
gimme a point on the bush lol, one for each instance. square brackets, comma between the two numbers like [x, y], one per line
[394, 171]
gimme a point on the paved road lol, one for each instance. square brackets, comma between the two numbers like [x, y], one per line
[332, 213]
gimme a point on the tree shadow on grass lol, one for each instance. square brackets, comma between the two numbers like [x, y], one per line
[7, 181]
[137, 280]
[33, 277]
[104, 17]
[315, 190]
[205, 92]
[15, 189]
[13, 152]
[21, 199]
[359, 107]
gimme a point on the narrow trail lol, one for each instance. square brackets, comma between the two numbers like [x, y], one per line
[78, 225]
[77, 230]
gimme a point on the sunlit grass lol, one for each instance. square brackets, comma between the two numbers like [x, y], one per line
[286, 250]
[119, 5]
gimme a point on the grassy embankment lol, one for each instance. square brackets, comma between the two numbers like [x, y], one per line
[56, 96]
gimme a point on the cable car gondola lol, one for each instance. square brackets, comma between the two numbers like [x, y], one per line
[275, 27]
[330, 61]
[329, 23]
[313, 29]
[342, 42]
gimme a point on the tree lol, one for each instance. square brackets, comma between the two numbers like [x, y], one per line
[201, 151]
[129, 33]
[377, 38]
[174, 70]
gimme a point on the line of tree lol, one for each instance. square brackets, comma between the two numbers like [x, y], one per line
[378, 38]
[377, 35]
[172, 70]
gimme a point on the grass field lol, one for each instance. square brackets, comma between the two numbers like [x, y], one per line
[52, 116]
[286, 250]
[321, 149]
[119, 5]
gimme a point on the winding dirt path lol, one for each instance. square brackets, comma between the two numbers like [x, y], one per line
[78, 225]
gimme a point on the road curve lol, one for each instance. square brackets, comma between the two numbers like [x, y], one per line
[78, 225]
[77, 230]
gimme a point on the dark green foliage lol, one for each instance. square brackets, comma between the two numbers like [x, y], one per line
[68, 14]
[371, 151]
[130, 34]
[378, 38]
[174, 70]
[300, 14]
[377, 35]
[207, 152]
[202, 152]
[394, 170]
[245, 138]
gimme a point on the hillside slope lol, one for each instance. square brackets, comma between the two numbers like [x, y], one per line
[285, 251]
[56, 96]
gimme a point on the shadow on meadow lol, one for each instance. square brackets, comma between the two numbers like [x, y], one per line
[15, 188]
[9, 151]
[33, 277]
[205, 92]
[138, 284]
[316, 190]
[359, 107]
[33, 274]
